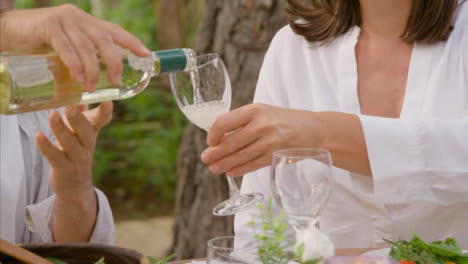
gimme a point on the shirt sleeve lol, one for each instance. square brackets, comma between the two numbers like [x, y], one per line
[39, 220]
[418, 159]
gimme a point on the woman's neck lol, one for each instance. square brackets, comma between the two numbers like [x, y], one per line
[384, 18]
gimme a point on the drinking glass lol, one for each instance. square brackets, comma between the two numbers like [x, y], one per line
[203, 93]
[231, 249]
[301, 182]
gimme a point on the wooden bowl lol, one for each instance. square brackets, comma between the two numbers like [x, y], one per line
[82, 254]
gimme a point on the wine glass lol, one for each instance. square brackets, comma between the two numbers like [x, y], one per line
[203, 93]
[231, 249]
[301, 181]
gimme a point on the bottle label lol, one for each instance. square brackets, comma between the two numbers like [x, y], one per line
[172, 60]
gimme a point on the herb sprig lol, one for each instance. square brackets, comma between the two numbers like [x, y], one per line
[270, 233]
[420, 252]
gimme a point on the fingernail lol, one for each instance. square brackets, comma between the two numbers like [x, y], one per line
[116, 79]
[92, 87]
[143, 49]
[204, 157]
[73, 112]
[55, 118]
[215, 169]
[40, 136]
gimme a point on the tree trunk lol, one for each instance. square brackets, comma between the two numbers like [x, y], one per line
[170, 27]
[240, 31]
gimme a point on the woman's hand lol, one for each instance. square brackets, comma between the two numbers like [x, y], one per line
[244, 139]
[75, 36]
[71, 160]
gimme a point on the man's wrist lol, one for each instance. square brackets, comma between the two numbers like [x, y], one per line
[77, 201]
[4, 39]
[78, 213]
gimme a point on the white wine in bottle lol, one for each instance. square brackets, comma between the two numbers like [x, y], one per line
[30, 82]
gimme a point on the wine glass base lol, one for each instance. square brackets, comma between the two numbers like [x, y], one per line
[237, 204]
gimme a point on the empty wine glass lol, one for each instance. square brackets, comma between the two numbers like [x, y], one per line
[203, 93]
[231, 249]
[301, 181]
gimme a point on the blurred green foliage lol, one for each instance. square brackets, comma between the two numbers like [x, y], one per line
[138, 150]
[136, 154]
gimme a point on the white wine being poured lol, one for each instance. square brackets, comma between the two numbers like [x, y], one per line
[204, 115]
[41, 81]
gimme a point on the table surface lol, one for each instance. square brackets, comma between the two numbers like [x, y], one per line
[338, 252]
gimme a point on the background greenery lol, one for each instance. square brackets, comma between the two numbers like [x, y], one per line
[135, 160]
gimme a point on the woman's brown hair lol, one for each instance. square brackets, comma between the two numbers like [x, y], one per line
[429, 21]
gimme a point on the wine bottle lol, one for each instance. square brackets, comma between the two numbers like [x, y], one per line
[30, 82]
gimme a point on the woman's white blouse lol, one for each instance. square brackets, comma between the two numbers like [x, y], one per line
[419, 161]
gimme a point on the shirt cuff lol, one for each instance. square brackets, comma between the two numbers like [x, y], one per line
[39, 220]
[396, 157]
[104, 229]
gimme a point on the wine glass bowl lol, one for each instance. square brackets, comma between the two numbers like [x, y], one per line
[203, 93]
[301, 182]
[231, 249]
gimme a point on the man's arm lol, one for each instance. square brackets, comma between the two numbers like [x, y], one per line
[5, 5]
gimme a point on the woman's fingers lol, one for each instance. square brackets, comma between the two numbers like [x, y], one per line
[81, 127]
[126, 40]
[230, 121]
[241, 157]
[230, 143]
[66, 138]
[257, 163]
[54, 155]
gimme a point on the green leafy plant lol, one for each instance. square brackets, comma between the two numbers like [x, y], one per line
[56, 261]
[420, 252]
[161, 261]
[300, 253]
[139, 148]
[273, 243]
[270, 233]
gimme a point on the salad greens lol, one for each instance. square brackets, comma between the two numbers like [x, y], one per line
[419, 252]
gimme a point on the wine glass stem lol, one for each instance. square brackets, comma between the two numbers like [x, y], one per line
[233, 189]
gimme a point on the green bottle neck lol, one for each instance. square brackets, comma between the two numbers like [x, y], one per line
[173, 60]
